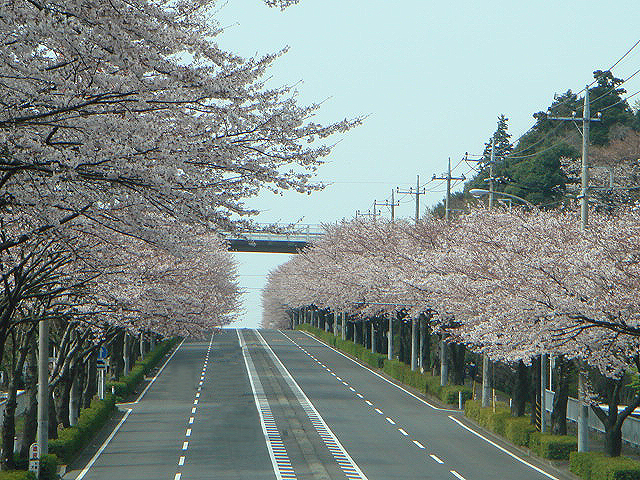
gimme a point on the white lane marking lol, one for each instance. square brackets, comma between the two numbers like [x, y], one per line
[359, 395]
[185, 445]
[195, 402]
[390, 421]
[178, 476]
[403, 432]
[502, 449]
[279, 458]
[376, 374]
[352, 389]
[418, 444]
[181, 461]
[198, 395]
[190, 420]
[348, 466]
[345, 384]
[435, 457]
[193, 410]
[379, 411]
[457, 475]
[188, 434]
[103, 446]
[157, 375]
[368, 403]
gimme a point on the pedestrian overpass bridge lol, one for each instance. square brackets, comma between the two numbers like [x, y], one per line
[274, 238]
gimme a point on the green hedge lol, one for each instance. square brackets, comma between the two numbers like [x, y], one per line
[554, 447]
[17, 475]
[423, 382]
[518, 430]
[73, 439]
[597, 466]
[127, 385]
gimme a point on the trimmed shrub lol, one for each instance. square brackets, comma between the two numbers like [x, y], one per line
[17, 475]
[71, 440]
[49, 467]
[553, 447]
[597, 466]
[518, 430]
[449, 393]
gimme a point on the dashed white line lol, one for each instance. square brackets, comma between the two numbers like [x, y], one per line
[379, 411]
[193, 410]
[418, 444]
[435, 457]
[457, 475]
[188, 434]
[390, 421]
[178, 476]
[195, 402]
[181, 461]
[352, 389]
[403, 432]
[368, 403]
[190, 420]
[185, 445]
[359, 395]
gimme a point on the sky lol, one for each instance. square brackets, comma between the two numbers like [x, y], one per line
[431, 77]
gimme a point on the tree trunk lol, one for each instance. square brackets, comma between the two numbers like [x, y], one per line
[560, 397]
[425, 352]
[53, 426]
[31, 414]
[9, 425]
[457, 362]
[520, 391]
[401, 348]
[91, 383]
[63, 391]
[74, 395]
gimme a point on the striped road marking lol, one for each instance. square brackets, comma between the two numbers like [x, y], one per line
[277, 451]
[341, 456]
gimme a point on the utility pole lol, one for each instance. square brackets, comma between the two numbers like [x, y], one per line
[448, 178]
[583, 413]
[417, 193]
[43, 388]
[393, 205]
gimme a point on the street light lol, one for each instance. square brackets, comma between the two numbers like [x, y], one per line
[480, 192]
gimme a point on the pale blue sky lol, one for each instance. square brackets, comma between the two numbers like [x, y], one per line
[433, 76]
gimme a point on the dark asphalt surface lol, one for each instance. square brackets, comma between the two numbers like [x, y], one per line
[387, 433]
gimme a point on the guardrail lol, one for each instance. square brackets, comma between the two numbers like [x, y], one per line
[630, 427]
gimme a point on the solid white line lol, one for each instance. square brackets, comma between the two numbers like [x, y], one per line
[103, 446]
[435, 457]
[376, 374]
[159, 372]
[320, 424]
[502, 449]
[456, 474]
[262, 404]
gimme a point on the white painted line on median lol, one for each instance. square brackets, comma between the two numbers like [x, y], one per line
[103, 446]
[457, 475]
[348, 466]
[502, 449]
[159, 372]
[277, 452]
[435, 457]
[375, 373]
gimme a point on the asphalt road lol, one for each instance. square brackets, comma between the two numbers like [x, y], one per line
[268, 404]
